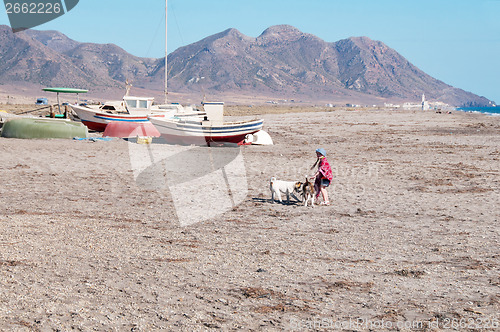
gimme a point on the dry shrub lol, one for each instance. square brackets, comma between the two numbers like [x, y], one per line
[258, 292]
[173, 260]
[348, 284]
[410, 273]
[10, 263]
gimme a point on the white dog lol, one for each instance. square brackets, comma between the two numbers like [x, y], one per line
[287, 187]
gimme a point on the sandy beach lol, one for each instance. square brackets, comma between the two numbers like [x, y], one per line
[410, 242]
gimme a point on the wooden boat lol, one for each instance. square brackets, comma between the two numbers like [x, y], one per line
[207, 131]
[97, 117]
[43, 128]
[131, 110]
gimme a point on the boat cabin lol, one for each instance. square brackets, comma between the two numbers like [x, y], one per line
[115, 106]
[214, 111]
[138, 104]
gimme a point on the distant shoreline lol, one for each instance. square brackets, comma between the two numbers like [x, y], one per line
[482, 110]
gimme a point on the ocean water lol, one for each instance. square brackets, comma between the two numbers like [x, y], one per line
[486, 110]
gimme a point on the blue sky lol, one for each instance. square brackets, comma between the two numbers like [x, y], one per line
[456, 41]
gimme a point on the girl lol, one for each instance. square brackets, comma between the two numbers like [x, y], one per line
[323, 176]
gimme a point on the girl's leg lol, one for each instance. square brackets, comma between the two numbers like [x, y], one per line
[325, 195]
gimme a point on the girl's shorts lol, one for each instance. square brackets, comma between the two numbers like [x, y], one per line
[325, 182]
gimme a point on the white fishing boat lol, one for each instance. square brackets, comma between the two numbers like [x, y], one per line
[130, 110]
[210, 130]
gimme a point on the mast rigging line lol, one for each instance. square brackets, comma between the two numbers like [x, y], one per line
[166, 43]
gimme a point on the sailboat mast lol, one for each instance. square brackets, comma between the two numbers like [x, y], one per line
[166, 52]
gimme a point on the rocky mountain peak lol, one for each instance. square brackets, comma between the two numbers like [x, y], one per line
[281, 30]
[280, 33]
[53, 39]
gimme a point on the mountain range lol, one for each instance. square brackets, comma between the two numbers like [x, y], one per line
[281, 63]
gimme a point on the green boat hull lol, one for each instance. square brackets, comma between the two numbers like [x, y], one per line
[43, 128]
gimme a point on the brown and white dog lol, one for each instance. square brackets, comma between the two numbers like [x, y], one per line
[287, 187]
[308, 192]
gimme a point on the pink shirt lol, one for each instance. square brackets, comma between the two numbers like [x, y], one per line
[325, 169]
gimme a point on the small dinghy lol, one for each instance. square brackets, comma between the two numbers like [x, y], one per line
[43, 128]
